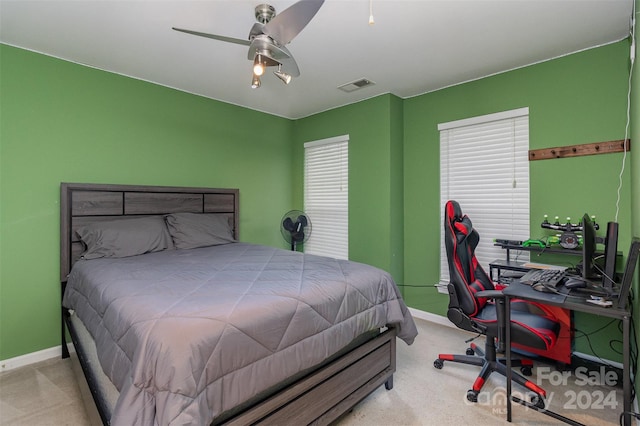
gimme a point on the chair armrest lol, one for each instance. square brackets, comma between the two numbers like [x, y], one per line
[499, 299]
[490, 294]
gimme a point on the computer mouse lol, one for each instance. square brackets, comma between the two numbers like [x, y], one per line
[575, 283]
[541, 287]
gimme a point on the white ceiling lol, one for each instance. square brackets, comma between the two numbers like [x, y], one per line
[414, 46]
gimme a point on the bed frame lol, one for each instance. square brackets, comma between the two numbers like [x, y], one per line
[320, 397]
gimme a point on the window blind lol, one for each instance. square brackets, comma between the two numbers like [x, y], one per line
[326, 196]
[484, 166]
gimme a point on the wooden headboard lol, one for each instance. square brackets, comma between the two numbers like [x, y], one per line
[83, 203]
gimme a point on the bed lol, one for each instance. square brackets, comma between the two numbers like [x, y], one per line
[200, 328]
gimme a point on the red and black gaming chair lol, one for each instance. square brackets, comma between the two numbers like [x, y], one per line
[476, 304]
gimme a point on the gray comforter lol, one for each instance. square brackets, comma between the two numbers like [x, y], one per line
[187, 334]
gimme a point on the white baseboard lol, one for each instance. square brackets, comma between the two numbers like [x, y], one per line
[597, 360]
[428, 316]
[32, 358]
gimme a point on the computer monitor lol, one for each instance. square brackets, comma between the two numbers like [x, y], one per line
[588, 247]
[629, 270]
[610, 255]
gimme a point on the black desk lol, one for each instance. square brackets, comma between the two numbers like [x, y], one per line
[575, 302]
[540, 250]
[512, 265]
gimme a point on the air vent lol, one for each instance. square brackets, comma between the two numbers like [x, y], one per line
[356, 85]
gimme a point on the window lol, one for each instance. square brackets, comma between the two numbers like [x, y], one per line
[484, 166]
[326, 196]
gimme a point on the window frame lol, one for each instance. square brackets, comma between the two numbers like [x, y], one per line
[489, 218]
[329, 211]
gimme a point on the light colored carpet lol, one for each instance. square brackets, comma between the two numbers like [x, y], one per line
[47, 394]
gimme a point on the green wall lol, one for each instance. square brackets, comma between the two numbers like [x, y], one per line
[65, 122]
[635, 134]
[375, 175]
[634, 166]
[576, 99]
[61, 122]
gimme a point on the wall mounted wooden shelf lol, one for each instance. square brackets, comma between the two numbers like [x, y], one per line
[580, 150]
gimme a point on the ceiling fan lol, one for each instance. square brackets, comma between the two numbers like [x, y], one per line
[268, 37]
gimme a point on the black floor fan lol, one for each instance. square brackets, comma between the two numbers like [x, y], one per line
[295, 228]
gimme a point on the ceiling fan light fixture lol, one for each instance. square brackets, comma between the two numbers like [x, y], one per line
[258, 66]
[286, 78]
[371, 20]
[255, 82]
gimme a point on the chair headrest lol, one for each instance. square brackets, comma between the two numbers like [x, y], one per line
[454, 212]
[460, 223]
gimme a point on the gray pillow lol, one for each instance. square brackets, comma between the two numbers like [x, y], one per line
[125, 237]
[192, 230]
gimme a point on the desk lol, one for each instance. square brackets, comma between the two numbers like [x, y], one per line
[508, 265]
[574, 302]
[540, 250]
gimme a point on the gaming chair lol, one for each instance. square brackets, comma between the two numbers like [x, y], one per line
[477, 305]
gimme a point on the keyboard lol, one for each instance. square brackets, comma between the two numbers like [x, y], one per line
[547, 277]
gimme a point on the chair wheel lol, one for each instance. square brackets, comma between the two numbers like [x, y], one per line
[526, 371]
[537, 401]
[438, 363]
[470, 351]
[472, 395]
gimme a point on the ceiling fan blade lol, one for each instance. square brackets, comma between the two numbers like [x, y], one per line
[289, 64]
[215, 37]
[263, 44]
[288, 24]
